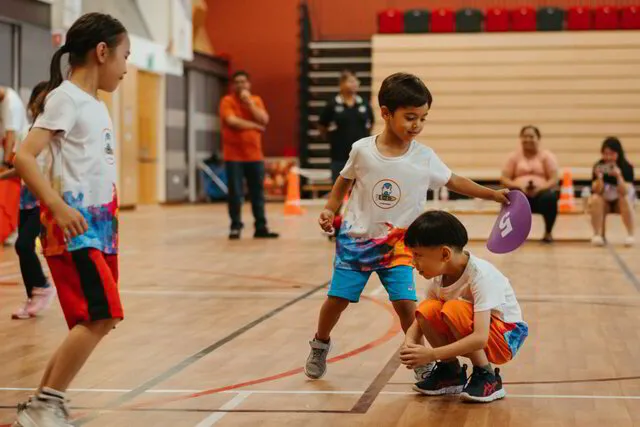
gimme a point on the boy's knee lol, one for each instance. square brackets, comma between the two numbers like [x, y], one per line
[458, 313]
[431, 310]
[338, 301]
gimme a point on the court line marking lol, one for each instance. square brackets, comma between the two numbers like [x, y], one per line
[315, 392]
[230, 405]
[247, 393]
[185, 363]
[624, 267]
[377, 385]
[391, 332]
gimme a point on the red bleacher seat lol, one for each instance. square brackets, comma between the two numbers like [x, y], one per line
[496, 20]
[606, 18]
[391, 21]
[443, 21]
[579, 18]
[630, 18]
[523, 19]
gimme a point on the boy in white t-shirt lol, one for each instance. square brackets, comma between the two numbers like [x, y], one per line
[390, 174]
[471, 311]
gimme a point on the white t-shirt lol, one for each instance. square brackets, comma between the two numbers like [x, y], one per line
[82, 168]
[482, 285]
[388, 195]
[28, 200]
[13, 115]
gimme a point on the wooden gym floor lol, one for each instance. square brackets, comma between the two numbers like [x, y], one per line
[217, 332]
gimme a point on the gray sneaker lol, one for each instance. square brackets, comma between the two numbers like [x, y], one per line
[316, 365]
[41, 413]
[422, 372]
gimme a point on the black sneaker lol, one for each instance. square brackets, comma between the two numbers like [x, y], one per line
[483, 386]
[265, 234]
[234, 234]
[445, 378]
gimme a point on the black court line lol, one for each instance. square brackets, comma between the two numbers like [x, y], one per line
[581, 381]
[379, 382]
[205, 410]
[624, 267]
[196, 357]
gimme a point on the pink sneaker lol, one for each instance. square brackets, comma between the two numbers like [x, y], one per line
[22, 313]
[41, 300]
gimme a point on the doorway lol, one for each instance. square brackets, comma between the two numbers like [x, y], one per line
[149, 102]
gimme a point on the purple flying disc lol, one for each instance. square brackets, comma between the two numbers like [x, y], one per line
[512, 226]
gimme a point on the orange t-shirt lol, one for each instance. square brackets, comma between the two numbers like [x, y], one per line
[240, 145]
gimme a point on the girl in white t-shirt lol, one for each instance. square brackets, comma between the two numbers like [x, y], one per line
[470, 311]
[39, 291]
[78, 200]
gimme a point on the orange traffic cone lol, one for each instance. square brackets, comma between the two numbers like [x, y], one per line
[292, 202]
[567, 199]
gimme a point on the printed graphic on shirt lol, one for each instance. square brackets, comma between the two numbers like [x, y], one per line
[386, 194]
[109, 152]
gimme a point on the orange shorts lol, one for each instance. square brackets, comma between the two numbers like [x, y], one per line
[87, 285]
[505, 339]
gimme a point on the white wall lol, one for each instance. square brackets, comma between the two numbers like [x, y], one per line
[156, 15]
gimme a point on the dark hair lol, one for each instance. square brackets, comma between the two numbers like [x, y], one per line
[345, 74]
[436, 228]
[240, 73]
[614, 144]
[403, 90]
[533, 128]
[84, 35]
[37, 97]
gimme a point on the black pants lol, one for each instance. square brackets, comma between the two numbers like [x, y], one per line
[546, 204]
[253, 172]
[30, 266]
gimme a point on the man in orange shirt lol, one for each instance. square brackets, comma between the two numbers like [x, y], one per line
[244, 119]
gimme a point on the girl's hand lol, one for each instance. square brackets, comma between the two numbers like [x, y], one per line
[70, 221]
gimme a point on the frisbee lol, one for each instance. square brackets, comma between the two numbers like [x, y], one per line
[513, 225]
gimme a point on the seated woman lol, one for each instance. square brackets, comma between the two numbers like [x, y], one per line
[613, 190]
[534, 171]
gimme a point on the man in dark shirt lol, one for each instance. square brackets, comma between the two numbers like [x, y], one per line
[346, 119]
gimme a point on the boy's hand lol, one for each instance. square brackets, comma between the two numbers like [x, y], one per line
[413, 355]
[326, 220]
[500, 196]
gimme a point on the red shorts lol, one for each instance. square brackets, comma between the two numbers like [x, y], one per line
[87, 284]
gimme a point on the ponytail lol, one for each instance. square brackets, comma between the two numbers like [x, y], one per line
[84, 35]
[55, 79]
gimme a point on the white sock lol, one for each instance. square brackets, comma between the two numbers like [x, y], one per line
[50, 394]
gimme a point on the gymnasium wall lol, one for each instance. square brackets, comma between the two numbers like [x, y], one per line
[577, 87]
[262, 36]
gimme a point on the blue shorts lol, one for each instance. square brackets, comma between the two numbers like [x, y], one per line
[398, 281]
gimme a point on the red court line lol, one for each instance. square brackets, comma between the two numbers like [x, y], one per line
[391, 332]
